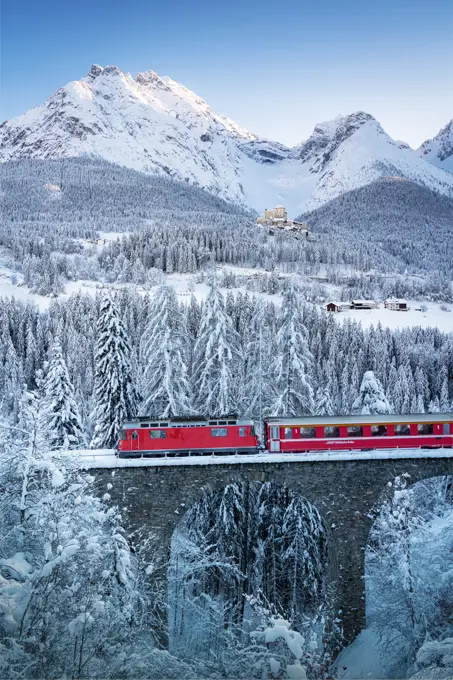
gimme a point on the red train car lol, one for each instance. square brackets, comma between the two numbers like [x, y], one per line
[146, 436]
[343, 433]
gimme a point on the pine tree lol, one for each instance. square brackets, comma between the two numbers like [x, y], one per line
[323, 403]
[217, 360]
[257, 380]
[60, 419]
[165, 385]
[444, 401]
[114, 392]
[371, 399]
[293, 360]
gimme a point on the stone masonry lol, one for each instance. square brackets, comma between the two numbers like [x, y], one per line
[346, 493]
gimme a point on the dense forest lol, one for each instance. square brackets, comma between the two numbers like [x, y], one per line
[247, 596]
[173, 227]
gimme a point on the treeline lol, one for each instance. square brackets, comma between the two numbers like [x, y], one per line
[129, 353]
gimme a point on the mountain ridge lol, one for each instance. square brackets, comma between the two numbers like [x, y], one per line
[155, 125]
[439, 149]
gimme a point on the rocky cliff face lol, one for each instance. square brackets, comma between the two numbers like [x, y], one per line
[439, 149]
[155, 125]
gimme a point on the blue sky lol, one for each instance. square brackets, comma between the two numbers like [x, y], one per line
[276, 67]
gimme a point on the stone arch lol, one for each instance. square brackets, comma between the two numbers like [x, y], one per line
[345, 492]
[277, 494]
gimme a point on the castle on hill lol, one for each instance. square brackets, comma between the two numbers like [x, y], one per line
[278, 218]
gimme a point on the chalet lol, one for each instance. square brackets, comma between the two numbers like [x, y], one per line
[337, 306]
[396, 305]
[363, 304]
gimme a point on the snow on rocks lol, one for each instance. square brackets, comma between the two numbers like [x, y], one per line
[158, 126]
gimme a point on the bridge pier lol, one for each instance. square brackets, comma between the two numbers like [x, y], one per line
[346, 493]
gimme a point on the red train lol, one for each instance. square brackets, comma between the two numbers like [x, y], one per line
[147, 436]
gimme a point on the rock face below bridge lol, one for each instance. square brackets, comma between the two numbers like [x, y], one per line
[346, 493]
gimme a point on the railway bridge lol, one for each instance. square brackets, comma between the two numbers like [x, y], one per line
[347, 491]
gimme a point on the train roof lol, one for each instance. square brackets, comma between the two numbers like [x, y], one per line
[186, 421]
[361, 419]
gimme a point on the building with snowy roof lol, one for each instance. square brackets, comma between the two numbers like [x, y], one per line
[364, 304]
[396, 305]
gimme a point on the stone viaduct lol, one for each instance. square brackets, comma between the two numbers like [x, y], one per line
[347, 494]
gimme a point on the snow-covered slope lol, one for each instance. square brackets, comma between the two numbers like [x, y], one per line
[439, 150]
[156, 125]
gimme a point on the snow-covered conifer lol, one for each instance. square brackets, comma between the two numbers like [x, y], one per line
[60, 419]
[114, 392]
[217, 360]
[165, 386]
[323, 403]
[292, 361]
[372, 399]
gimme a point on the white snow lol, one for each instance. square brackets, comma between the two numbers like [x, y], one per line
[158, 126]
[434, 316]
[106, 458]
[439, 149]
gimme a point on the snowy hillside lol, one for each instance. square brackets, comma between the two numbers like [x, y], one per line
[157, 126]
[439, 150]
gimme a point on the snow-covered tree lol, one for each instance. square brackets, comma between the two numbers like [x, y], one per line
[257, 381]
[164, 354]
[371, 399]
[292, 362]
[323, 404]
[115, 395]
[216, 360]
[60, 418]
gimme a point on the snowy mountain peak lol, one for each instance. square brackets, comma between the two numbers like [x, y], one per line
[439, 150]
[158, 126]
[328, 136]
[150, 78]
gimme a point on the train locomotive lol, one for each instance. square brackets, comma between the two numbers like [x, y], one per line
[232, 435]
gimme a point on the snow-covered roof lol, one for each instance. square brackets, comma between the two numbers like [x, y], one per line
[364, 302]
[306, 421]
[397, 302]
[337, 304]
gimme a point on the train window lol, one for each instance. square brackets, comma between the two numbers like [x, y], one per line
[164, 424]
[144, 425]
[123, 435]
[307, 432]
[288, 432]
[242, 431]
[231, 422]
[213, 422]
[425, 428]
[219, 432]
[332, 431]
[446, 428]
[379, 430]
[252, 430]
[355, 431]
[402, 430]
[222, 422]
[158, 434]
[154, 424]
[135, 434]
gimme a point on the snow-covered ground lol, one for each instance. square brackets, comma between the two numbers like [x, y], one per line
[106, 458]
[434, 316]
[187, 284]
